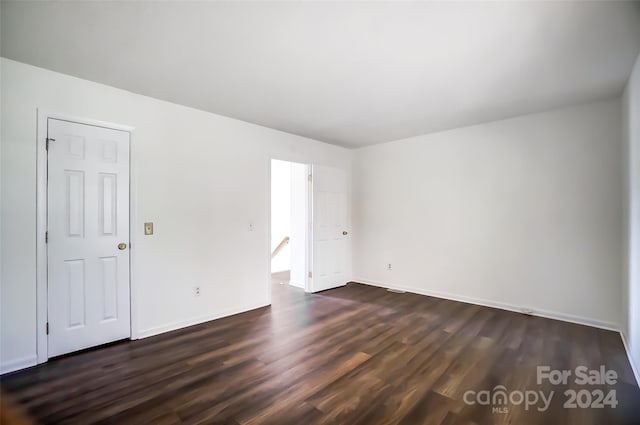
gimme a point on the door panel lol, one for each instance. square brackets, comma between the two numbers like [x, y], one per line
[88, 216]
[75, 289]
[107, 188]
[330, 220]
[109, 288]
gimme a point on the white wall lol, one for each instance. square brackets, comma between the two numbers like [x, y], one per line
[520, 213]
[299, 223]
[631, 293]
[202, 178]
[280, 213]
[525, 212]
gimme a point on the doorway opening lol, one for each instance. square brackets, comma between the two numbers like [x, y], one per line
[289, 228]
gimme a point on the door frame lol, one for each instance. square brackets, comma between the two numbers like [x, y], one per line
[309, 235]
[42, 118]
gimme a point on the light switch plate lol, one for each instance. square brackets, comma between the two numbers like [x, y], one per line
[148, 228]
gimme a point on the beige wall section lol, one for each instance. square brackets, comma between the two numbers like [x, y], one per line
[520, 213]
[202, 178]
[631, 292]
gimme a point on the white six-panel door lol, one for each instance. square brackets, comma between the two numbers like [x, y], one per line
[88, 217]
[330, 224]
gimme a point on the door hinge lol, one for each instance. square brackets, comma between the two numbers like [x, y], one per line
[49, 139]
[46, 237]
[310, 177]
[47, 328]
[310, 274]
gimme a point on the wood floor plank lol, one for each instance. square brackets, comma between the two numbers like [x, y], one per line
[352, 355]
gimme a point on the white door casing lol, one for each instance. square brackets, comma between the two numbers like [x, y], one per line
[330, 228]
[88, 293]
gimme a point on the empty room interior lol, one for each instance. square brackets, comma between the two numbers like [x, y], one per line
[292, 212]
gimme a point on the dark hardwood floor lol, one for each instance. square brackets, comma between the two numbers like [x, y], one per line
[353, 355]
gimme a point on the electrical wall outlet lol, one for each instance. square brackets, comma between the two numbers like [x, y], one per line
[196, 291]
[389, 266]
[148, 228]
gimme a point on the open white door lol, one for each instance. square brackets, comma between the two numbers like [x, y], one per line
[88, 236]
[330, 228]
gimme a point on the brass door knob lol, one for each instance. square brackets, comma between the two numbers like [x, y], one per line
[122, 246]
[345, 233]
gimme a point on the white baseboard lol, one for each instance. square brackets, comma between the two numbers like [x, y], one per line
[18, 364]
[12, 366]
[634, 367]
[6, 367]
[196, 320]
[519, 309]
[502, 306]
